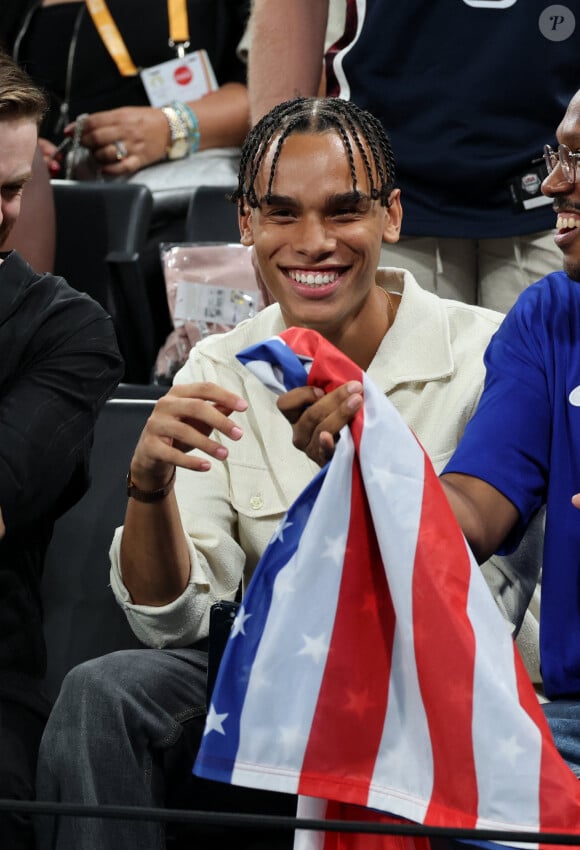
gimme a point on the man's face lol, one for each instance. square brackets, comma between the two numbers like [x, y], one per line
[567, 195]
[18, 139]
[317, 242]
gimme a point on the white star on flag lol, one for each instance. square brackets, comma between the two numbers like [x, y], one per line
[316, 648]
[334, 549]
[279, 533]
[511, 749]
[239, 622]
[214, 722]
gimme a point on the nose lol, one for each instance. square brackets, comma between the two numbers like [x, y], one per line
[556, 183]
[313, 237]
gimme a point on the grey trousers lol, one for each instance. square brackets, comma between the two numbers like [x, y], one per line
[113, 723]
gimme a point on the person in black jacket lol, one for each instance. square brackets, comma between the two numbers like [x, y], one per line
[59, 361]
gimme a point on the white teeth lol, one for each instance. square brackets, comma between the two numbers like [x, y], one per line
[565, 222]
[314, 280]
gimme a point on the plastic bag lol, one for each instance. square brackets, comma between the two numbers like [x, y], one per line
[210, 288]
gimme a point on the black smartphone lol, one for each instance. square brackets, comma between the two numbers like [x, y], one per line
[221, 618]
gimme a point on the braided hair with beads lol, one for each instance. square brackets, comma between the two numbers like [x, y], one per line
[317, 115]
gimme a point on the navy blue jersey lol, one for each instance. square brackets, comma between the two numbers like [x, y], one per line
[469, 91]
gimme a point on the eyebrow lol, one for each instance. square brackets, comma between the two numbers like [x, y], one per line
[353, 197]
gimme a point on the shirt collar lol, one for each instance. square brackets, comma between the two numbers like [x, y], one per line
[417, 347]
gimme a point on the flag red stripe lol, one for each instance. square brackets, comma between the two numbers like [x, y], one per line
[368, 841]
[349, 717]
[445, 653]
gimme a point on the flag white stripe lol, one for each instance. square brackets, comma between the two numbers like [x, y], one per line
[395, 499]
[309, 808]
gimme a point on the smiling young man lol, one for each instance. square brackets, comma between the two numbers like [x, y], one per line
[58, 362]
[316, 197]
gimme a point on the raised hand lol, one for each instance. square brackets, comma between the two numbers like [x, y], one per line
[183, 420]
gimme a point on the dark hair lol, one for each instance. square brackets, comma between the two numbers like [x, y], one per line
[19, 96]
[317, 115]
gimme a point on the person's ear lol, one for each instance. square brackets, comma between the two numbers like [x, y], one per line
[393, 218]
[245, 222]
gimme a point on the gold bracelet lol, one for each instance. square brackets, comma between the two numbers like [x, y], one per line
[149, 495]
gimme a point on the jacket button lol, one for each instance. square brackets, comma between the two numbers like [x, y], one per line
[256, 502]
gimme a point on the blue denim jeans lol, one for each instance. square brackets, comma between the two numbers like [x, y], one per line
[563, 717]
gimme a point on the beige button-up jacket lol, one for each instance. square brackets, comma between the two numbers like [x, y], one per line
[430, 364]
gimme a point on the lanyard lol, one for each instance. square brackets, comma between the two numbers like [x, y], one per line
[113, 40]
[64, 117]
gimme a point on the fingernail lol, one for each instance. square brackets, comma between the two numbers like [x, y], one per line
[354, 387]
[221, 453]
[241, 404]
[354, 402]
[317, 392]
[236, 433]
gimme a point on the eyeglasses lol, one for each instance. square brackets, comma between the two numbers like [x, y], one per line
[564, 157]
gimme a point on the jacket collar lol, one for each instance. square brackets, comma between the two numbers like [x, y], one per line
[417, 347]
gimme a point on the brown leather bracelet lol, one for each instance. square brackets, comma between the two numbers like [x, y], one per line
[149, 495]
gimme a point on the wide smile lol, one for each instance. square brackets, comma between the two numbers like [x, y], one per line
[567, 227]
[312, 278]
[315, 282]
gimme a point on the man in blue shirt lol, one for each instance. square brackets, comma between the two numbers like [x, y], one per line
[522, 448]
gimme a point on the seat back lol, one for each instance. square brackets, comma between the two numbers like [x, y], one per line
[211, 217]
[101, 231]
[81, 617]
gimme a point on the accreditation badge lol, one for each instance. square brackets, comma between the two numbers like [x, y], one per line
[526, 188]
[184, 79]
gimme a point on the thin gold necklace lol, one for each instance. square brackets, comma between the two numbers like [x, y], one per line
[390, 306]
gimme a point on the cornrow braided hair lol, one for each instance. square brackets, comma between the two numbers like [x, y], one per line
[317, 115]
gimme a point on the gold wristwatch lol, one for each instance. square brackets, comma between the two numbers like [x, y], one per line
[179, 144]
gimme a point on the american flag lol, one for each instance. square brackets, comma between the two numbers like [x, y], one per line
[369, 665]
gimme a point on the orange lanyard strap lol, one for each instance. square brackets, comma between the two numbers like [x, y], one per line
[113, 40]
[178, 22]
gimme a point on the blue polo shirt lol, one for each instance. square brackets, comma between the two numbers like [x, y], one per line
[524, 439]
